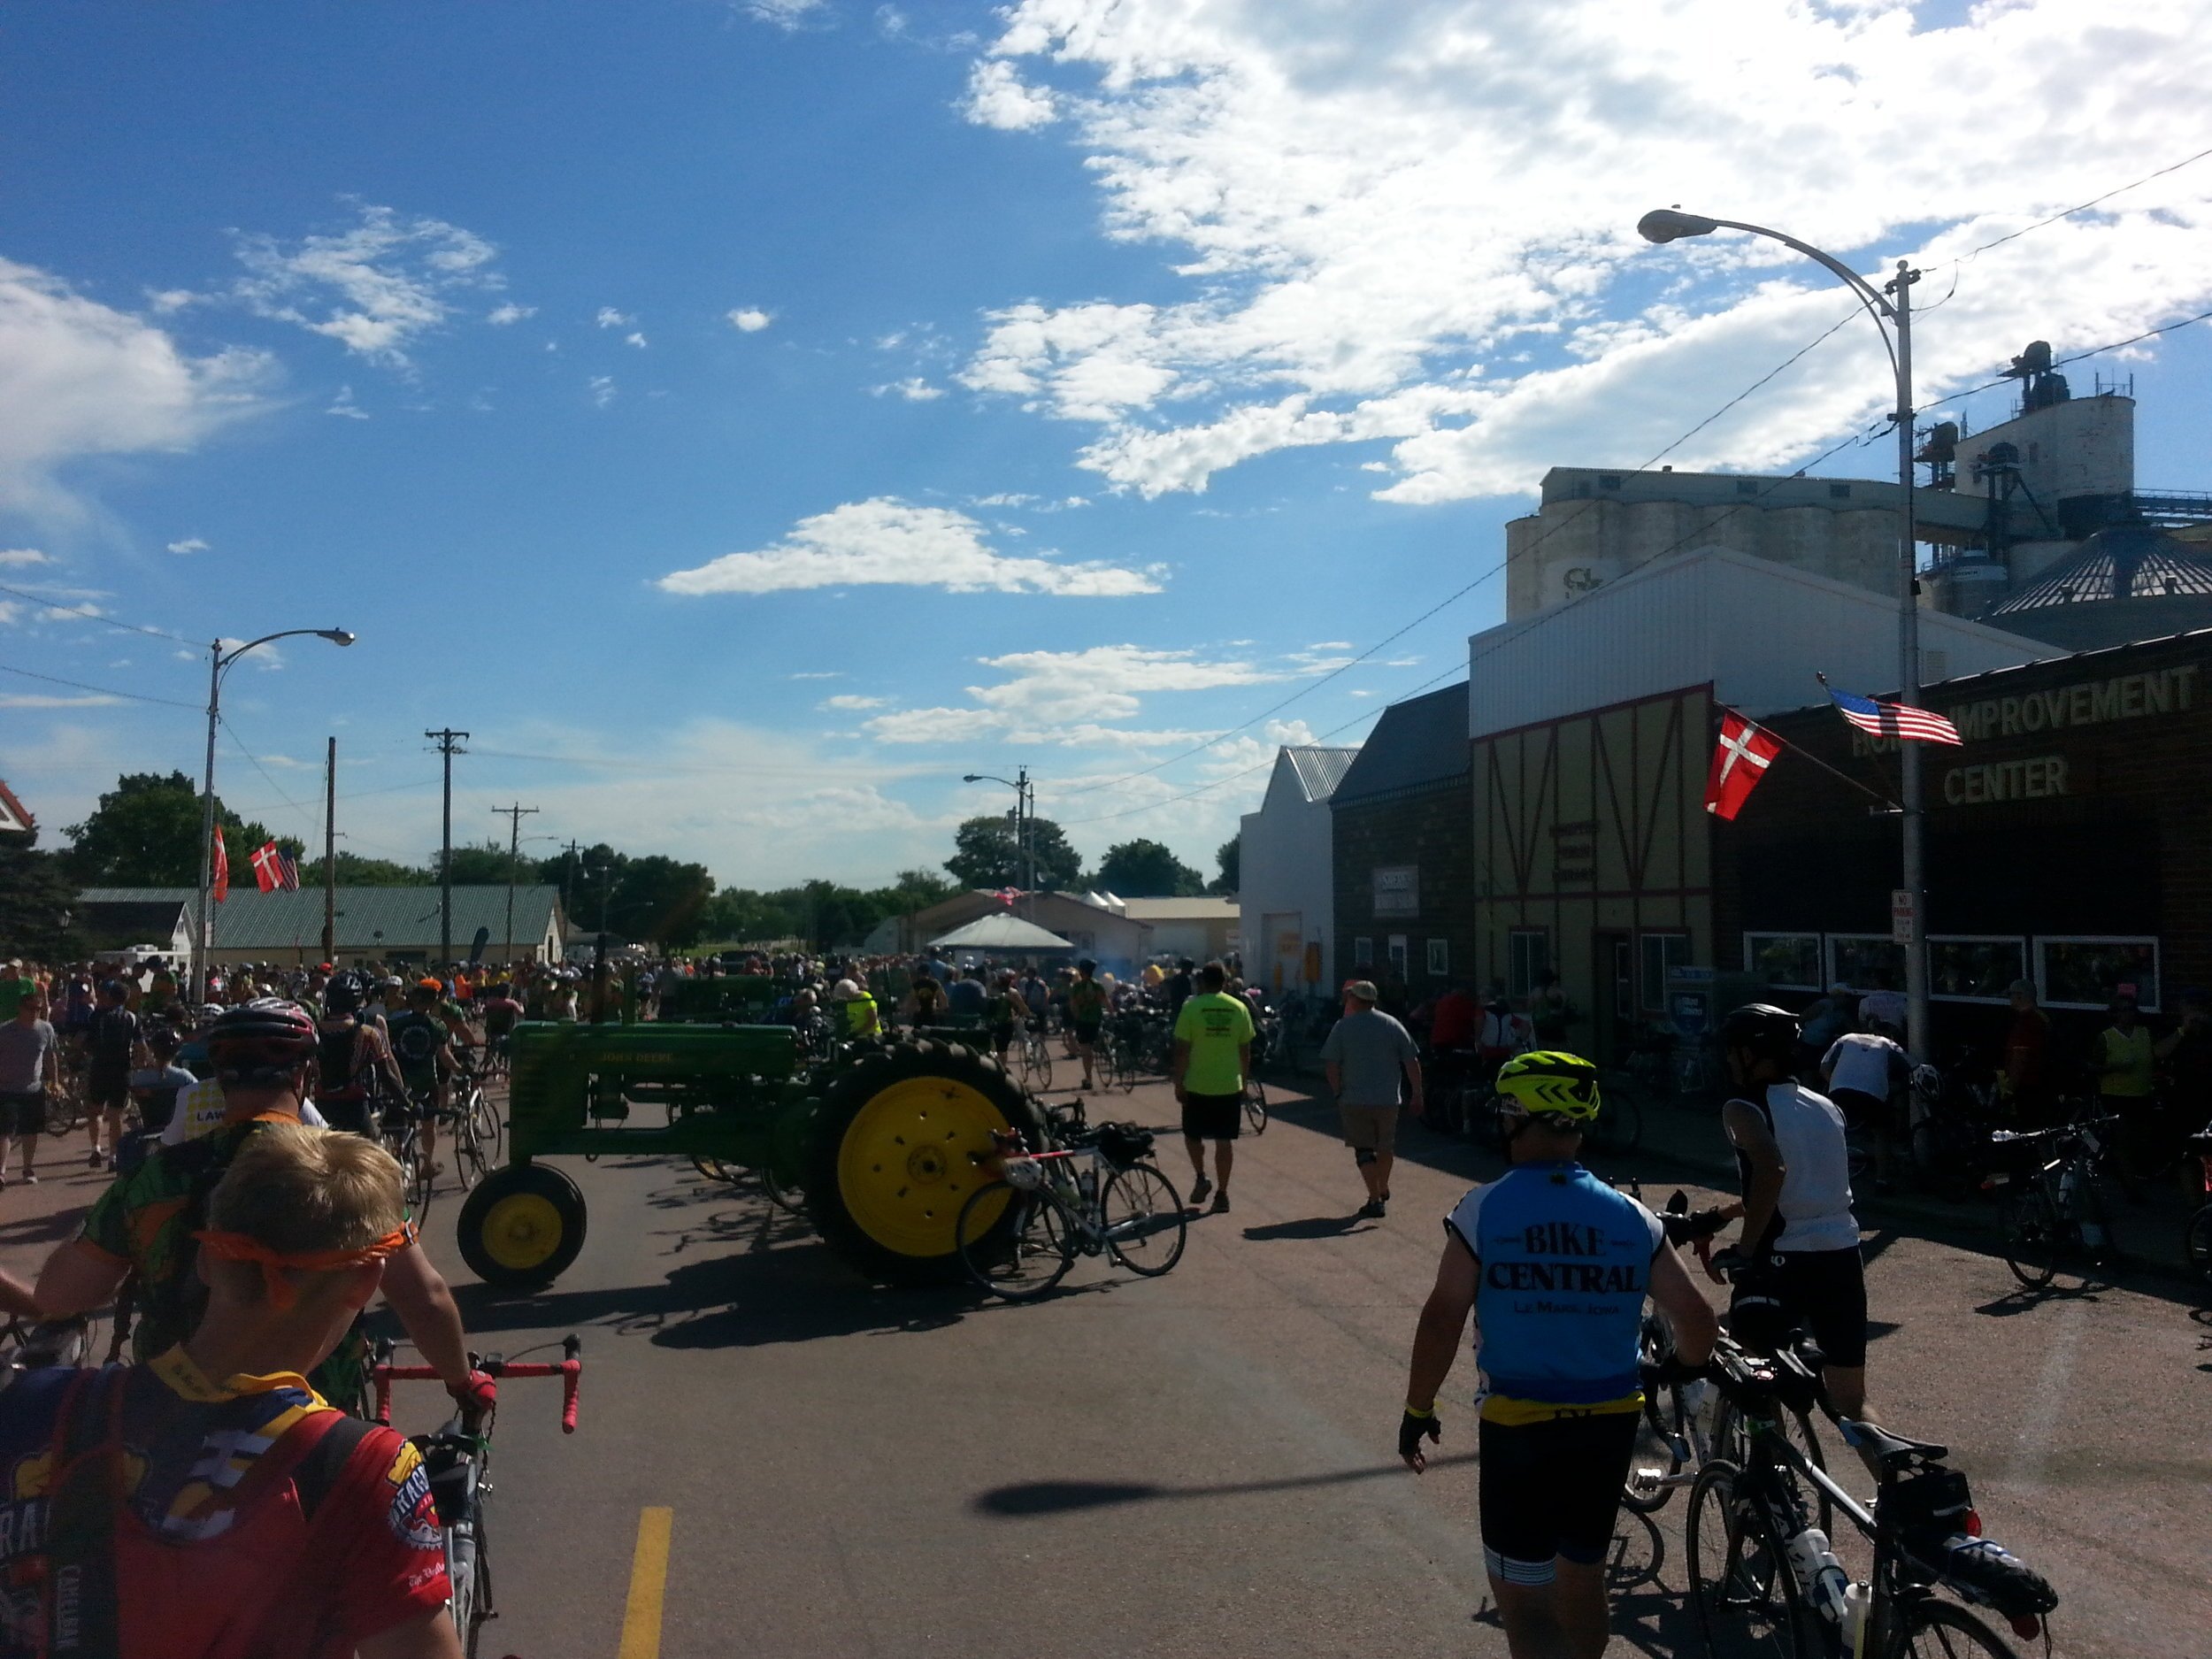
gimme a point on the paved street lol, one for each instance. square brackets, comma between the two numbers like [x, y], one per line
[1201, 1464]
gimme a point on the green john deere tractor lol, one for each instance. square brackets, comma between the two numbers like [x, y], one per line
[878, 1132]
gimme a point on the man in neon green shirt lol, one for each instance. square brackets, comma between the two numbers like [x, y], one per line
[1213, 1056]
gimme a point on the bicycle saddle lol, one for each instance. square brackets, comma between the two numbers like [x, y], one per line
[1893, 1451]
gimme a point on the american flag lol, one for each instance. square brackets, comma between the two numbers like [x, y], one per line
[1893, 720]
[273, 869]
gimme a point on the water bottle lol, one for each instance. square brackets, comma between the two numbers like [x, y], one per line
[1819, 1573]
[1858, 1605]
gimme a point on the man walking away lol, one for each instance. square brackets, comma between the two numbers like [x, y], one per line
[1363, 1057]
[1087, 1014]
[111, 1045]
[1178, 987]
[1213, 1057]
[1555, 1266]
[30, 1068]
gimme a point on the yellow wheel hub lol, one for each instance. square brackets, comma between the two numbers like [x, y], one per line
[903, 1169]
[522, 1232]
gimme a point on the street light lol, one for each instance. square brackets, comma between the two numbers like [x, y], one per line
[1025, 815]
[219, 664]
[1891, 307]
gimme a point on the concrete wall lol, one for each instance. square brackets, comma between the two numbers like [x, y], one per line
[2084, 447]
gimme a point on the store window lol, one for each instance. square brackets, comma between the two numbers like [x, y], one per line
[1974, 968]
[1854, 959]
[1663, 952]
[1362, 953]
[1528, 957]
[2080, 971]
[1788, 962]
[1397, 948]
[1439, 952]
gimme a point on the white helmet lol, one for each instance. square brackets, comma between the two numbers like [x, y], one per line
[844, 991]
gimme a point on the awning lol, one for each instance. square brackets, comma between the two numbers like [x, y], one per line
[1001, 932]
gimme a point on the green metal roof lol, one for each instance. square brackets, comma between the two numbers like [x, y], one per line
[369, 919]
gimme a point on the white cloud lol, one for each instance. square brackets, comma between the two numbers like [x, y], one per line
[847, 701]
[997, 96]
[189, 544]
[829, 673]
[21, 556]
[78, 378]
[375, 288]
[914, 389]
[603, 390]
[750, 319]
[501, 316]
[636, 339]
[344, 404]
[885, 542]
[785, 14]
[42, 700]
[610, 318]
[1414, 226]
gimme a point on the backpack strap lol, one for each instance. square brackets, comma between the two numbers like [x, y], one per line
[84, 1502]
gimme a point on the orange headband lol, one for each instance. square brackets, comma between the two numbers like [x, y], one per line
[239, 1246]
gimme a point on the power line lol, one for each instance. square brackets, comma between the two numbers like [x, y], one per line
[93, 616]
[255, 761]
[2093, 351]
[2080, 208]
[106, 691]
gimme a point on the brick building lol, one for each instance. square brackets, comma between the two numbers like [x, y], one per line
[1402, 855]
[2068, 842]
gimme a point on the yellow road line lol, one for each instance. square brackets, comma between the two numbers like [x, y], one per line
[649, 1578]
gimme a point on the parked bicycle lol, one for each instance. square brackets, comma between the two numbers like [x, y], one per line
[2056, 1218]
[1765, 1580]
[2196, 1233]
[1256, 1105]
[1097, 1192]
[458, 1459]
[1032, 1059]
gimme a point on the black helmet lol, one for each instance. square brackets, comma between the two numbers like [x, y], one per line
[1766, 1032]
[1087, 966]
[341, 995]
[260, 1041]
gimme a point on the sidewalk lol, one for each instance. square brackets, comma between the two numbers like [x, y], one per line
[35, 1219]
[1687, 1133]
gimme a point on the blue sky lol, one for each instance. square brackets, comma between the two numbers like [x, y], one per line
[745, 418]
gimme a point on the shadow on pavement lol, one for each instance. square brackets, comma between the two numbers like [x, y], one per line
[1057, 1497]
[1311, 1228]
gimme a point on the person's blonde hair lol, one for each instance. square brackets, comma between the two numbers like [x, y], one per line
[299, 1191]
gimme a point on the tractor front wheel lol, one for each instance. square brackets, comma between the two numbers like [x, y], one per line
[522, 1226]
[893, 1156]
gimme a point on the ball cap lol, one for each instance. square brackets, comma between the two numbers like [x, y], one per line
[1364, 989]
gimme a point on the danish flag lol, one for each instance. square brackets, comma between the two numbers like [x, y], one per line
[1740, 760]
[220, 883]
[272, 870]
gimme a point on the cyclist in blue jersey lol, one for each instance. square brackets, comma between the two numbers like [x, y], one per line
[1555, 1266]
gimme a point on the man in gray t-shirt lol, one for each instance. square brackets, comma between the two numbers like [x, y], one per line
[1366, 1053]
[29, 1066]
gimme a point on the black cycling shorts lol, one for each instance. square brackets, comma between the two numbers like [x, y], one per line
[1823, 1290]
[1552, 1489]
[1213, 1117]
[1086, 1031]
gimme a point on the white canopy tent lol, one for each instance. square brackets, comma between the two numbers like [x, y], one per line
[1001, 932]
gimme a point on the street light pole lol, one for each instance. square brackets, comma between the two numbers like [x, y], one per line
[219, 662]
[1024, 820]
[1892, 318]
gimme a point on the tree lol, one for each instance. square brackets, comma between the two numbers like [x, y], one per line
[653, 897]
[145, 833]
[985, 855]
[488, 865]
[1230, 857]
[36, 893]
[354, 871]
[912, 890]
[1147, 869]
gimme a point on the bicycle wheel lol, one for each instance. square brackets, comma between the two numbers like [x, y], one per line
[786, 1196]
[1657, 1456]
[490, 1133]
[1142, 1217]
[1740, 1585]
[1256, 1106]
[2032, 1238]
[1937, 1630]
[469, 1163]
[1731, 1444]
[2196, 1243]
[1619, 1127]
[1036, 1065]
[1014, 1243]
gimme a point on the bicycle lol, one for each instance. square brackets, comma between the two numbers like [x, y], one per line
[1097, 1192]
[2196, 1232]
[1256, 1105]
[2057, 1218]
[40, 1344]
[1034, 1060]
[457, 1458]
[1763, 1579]
[401, 1134]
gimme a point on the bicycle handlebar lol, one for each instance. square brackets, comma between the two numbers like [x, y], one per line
[569, 1370]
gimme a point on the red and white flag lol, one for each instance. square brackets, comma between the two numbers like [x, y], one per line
[268, 868]
[1740, 760]
[222, 867]
[1899, 720]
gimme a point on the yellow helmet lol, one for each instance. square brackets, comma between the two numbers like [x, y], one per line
[1548, 1083]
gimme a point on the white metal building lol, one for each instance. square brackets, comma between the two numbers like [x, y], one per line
[1285, 885]
[1754, 630]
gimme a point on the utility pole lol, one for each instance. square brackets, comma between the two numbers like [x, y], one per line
[330, 855]
[514, 815]
[449, 745]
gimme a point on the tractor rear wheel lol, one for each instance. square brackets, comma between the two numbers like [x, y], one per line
[891, 1159]
[522, 1226]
